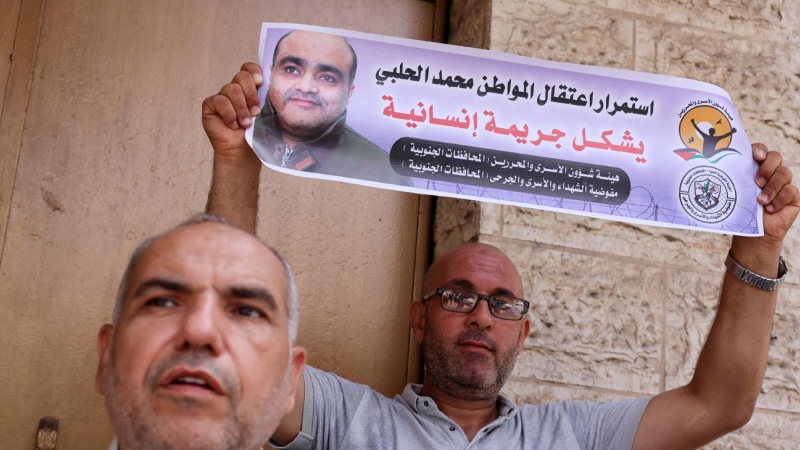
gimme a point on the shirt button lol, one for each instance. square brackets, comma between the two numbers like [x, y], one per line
[452, 428]
[426, 403]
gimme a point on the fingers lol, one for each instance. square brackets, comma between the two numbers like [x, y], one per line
[237, 102]
[778, 191]
[770, 162]
[254, 70]
[235, 95]
[220, 105]
[246, 79]
[774, 179]
[759, 152]
[788, 195]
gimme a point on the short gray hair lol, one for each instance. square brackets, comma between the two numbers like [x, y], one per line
[292, 297]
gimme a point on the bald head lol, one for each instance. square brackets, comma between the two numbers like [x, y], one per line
[468, 263]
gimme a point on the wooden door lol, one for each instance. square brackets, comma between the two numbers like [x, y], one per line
[102, 146]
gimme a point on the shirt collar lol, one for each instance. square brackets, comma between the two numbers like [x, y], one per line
[421, 405]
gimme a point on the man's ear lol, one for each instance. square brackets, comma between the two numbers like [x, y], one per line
[104, 338]
[350, 92]
[298, 365]
[524, 331]
[417, 315]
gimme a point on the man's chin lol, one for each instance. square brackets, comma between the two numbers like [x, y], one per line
[159, 431]
[299, 114]
[214, 409]
[191, 424]
[475, 376]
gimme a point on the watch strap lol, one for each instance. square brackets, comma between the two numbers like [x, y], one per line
[754, 279]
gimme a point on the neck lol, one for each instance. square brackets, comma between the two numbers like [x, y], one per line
[290, 141]
[470, 415]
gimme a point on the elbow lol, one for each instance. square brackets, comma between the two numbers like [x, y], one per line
[742, 416]
[727, 411]
[735, 417]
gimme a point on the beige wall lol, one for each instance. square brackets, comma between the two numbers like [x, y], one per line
[622, 310]
[102, 146]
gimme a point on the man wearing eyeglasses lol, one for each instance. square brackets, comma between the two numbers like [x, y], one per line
[471, 324]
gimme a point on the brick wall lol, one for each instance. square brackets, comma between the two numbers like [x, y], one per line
[622, 310]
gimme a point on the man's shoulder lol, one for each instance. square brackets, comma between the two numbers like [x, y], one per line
[587, 416]
[329, 382]
[353, 139]
[570, 406]
[335, 398]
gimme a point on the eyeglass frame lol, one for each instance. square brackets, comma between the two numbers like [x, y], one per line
[440, 291]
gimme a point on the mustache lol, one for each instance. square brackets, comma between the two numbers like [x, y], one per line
[292, 94]
[194, 360]
[476, 335]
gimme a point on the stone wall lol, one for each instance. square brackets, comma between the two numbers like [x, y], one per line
[623, 310]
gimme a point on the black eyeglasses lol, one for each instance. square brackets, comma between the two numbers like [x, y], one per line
[503, 307]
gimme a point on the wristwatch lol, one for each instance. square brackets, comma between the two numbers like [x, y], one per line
[753, 279]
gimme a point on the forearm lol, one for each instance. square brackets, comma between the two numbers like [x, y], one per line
[234, 191]
[722, 395]
[731, 366]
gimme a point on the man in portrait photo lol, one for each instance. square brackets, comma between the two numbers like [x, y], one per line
[302, 125]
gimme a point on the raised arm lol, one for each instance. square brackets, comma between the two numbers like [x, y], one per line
[234, 183]
[722, 394]
[729, 133]
[698, 129]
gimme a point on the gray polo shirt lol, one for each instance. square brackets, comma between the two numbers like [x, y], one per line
[339, 414]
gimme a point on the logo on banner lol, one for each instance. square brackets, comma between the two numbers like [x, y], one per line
[707, 194]
[706, 131]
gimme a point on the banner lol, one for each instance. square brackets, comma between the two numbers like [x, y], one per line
[444, 120]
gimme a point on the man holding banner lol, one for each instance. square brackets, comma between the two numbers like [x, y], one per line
[302, 125]
[470, 348]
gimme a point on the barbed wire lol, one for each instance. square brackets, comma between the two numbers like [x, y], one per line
[640, 205]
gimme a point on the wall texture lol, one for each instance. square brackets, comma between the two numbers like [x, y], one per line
[621, 310]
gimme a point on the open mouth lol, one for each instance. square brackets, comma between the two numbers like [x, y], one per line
[191, 382]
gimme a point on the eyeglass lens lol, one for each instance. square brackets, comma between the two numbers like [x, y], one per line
[465, 301]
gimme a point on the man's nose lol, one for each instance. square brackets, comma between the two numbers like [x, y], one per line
[481, 317]
[306, 83]
[201, 327]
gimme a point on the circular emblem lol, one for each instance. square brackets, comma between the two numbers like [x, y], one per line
[705, 126]
[707, 194]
